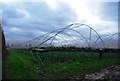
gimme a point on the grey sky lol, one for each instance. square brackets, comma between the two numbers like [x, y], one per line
[23, 21]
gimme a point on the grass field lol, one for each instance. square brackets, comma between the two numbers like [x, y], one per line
[57, 65]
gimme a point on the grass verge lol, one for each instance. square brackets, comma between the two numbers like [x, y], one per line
[21, 66]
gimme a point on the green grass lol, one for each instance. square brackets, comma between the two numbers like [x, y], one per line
[57, 65]
[19, 66]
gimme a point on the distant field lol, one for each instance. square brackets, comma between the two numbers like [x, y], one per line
[57, 65]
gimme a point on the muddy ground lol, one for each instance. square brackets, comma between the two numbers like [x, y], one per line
[111, 73]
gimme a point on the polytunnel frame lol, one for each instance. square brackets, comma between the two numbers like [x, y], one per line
[68, 27]
[62, 30]
[46, 37]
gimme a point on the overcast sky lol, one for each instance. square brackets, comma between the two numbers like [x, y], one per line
[23, 21]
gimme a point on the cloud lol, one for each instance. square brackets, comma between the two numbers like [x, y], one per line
[14, 29]
[13, 14]
[32, 18]
[109, 11]
[23, 21]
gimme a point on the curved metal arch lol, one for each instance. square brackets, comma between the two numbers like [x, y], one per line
[38, 38]
[68, 27]
[62, 38]
[114, 35]
[59, 36]
[81, 35]
[97, 34]
[67, 35]
[101, 37]
[28, 42]
[47, 34]
[62, 30]
[94, 42]
[71, 37]
[79, 24]
[59, 41]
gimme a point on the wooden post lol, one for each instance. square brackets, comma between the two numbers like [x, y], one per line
[100, 53]
[0, 52]
[4, 52]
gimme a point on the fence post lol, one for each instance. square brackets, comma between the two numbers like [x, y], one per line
[4, 52]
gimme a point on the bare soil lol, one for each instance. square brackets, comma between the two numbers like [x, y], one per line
[111, 73]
